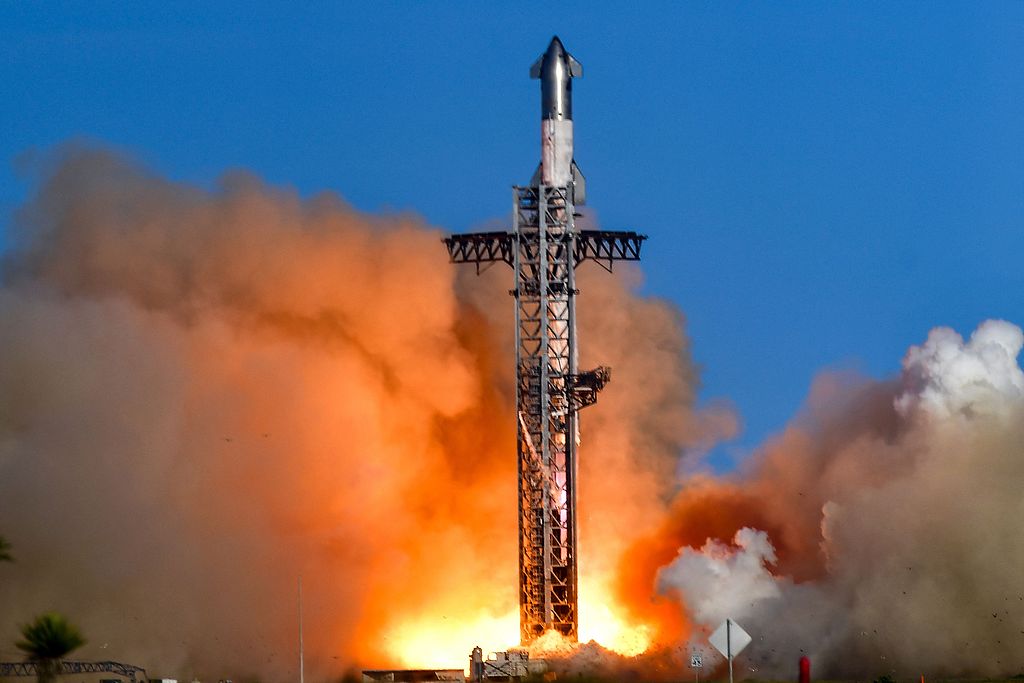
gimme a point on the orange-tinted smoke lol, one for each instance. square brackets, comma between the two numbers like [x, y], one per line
[707, 510]
[227, 388]
[781, 491]
[284, 386]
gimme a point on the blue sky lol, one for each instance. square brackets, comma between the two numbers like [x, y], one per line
[822, 183]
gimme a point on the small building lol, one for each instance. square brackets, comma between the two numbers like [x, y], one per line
[511, 665]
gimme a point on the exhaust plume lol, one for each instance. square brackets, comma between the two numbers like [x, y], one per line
[206, 393]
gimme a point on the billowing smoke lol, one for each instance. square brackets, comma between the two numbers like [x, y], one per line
[205, 394]
[879, 534]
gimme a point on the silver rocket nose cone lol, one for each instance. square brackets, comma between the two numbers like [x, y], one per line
[556, 68]
[555, 49]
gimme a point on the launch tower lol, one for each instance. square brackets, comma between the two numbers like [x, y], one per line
[544, 247]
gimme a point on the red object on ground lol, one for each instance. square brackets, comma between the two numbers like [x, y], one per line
[805, 670]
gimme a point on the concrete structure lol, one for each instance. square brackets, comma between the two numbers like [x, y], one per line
[76, 672]
[413, 675]
[512, 665]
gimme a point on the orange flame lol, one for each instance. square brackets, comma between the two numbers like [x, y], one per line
[444, 641]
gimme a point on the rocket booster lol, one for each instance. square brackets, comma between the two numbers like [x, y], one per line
[556, 68]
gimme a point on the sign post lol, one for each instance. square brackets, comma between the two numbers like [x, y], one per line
[729, 639]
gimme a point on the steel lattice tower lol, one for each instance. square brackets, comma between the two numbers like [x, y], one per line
[544, 247]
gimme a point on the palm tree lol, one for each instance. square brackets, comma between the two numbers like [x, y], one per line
[5, 550]
[46, 641]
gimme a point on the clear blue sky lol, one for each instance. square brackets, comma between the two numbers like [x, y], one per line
[822, 182]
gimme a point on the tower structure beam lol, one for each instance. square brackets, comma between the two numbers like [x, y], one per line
[603, 247]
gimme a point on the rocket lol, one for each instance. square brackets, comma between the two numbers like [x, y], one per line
[556, 68]
[544, 246]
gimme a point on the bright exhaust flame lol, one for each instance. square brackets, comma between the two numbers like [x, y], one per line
[603, 623]
[444, 641]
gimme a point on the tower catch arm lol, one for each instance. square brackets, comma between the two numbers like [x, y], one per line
[480, 248]
[605, 247]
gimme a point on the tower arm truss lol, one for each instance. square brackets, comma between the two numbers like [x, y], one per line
[482, 249]
[605, 247]
[585, 386]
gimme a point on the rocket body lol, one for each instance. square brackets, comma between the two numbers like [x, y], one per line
[556, 68]
[556, 151]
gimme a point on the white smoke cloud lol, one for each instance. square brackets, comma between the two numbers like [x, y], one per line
[720, 581]
[945, 376]
[912, 498]
[735, 581]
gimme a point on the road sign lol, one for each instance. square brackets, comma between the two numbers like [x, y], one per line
[729, 639]
[696, 661]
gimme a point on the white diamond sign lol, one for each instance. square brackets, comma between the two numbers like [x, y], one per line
[729, 639]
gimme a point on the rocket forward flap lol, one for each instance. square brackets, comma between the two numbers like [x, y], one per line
[535, 69]
[575, 68]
